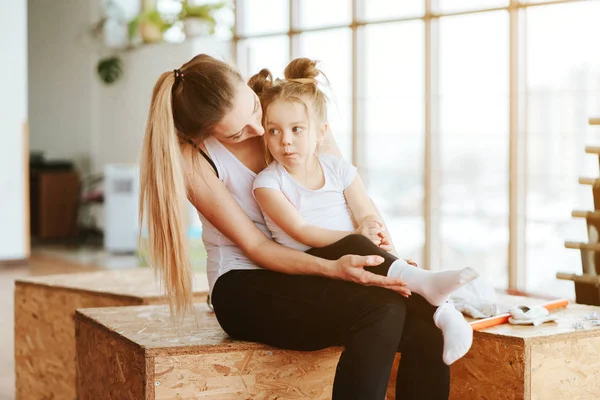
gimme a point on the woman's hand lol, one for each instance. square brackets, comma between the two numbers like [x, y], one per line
[371, 229]
[351, 268]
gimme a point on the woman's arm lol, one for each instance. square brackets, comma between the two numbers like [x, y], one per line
[212, 199]
[286, 216]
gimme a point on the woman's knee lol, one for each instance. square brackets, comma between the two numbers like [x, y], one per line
[422, 338]
[394, 317]
[385, 320]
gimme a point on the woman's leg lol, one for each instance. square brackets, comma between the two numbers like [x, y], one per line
[309, 313]
[422, 373]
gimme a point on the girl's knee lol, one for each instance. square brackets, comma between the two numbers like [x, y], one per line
[360, 244]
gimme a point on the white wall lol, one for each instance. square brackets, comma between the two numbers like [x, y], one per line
[61, 69]
[121, 109]
[13, 113]
[73, 114]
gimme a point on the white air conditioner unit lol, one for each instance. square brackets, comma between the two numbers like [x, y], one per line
[121, 197]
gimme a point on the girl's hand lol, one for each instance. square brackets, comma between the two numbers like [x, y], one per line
[351, 268]
[386, 243]
[371, 229]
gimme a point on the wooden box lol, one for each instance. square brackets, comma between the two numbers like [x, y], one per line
[553, 361]
[136, 353]
[45, 362]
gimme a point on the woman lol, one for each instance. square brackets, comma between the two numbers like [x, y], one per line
[203, 142]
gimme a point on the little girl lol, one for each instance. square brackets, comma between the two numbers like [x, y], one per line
[315, 202]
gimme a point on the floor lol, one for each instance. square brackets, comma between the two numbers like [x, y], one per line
[44, 261]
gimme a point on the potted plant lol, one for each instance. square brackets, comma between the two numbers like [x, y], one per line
[198, 20]
[148, 26]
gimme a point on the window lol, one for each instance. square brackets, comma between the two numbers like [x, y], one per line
[422, 94]
[319, 13]
[333, 49]
[262, 16]
[386, 9]
[448, 6]
[474, 134]
[563, 91]
[394, 135]
[271, 52]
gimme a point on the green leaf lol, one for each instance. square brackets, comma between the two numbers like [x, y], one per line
[110, 69]
[133, 27]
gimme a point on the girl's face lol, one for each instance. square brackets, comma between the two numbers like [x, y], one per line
[244, 120]
[289, 136]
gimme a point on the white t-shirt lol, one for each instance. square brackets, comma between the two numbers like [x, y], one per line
[223, 254]
[325, 207]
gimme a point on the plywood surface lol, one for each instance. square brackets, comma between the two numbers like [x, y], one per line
[150, 327]
[197, 360]
[45, 339]
[44, 327]
[111, 367]
[566, 370]
[492, 369]
[250, 374]
[135, 282]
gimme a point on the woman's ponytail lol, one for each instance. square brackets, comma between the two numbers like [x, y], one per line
[163, 200]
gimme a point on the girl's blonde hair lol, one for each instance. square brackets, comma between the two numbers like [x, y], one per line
[186, 105]
[300, 82]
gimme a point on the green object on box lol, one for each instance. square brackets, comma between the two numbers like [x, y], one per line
[198, 253]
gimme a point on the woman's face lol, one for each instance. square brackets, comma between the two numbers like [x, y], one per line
[244, 120]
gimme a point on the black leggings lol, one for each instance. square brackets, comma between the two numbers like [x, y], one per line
[301, 312]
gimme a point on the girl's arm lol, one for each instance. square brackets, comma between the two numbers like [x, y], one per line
[212, 199]
[283, 213]
[330, 146]
[369, 222]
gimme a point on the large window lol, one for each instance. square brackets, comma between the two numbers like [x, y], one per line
[563, 91]
[474, 142]
[394, 129]
[333, 49]
[429, 99]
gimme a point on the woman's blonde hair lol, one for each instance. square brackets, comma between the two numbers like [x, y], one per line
[186, 105]
[300, 82]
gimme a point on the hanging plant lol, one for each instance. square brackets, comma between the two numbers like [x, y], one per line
[110, 69]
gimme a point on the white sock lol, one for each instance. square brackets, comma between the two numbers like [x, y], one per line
[458, 334]
[435, 287]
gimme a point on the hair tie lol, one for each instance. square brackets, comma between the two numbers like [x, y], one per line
[311, 81]
[178, 75]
